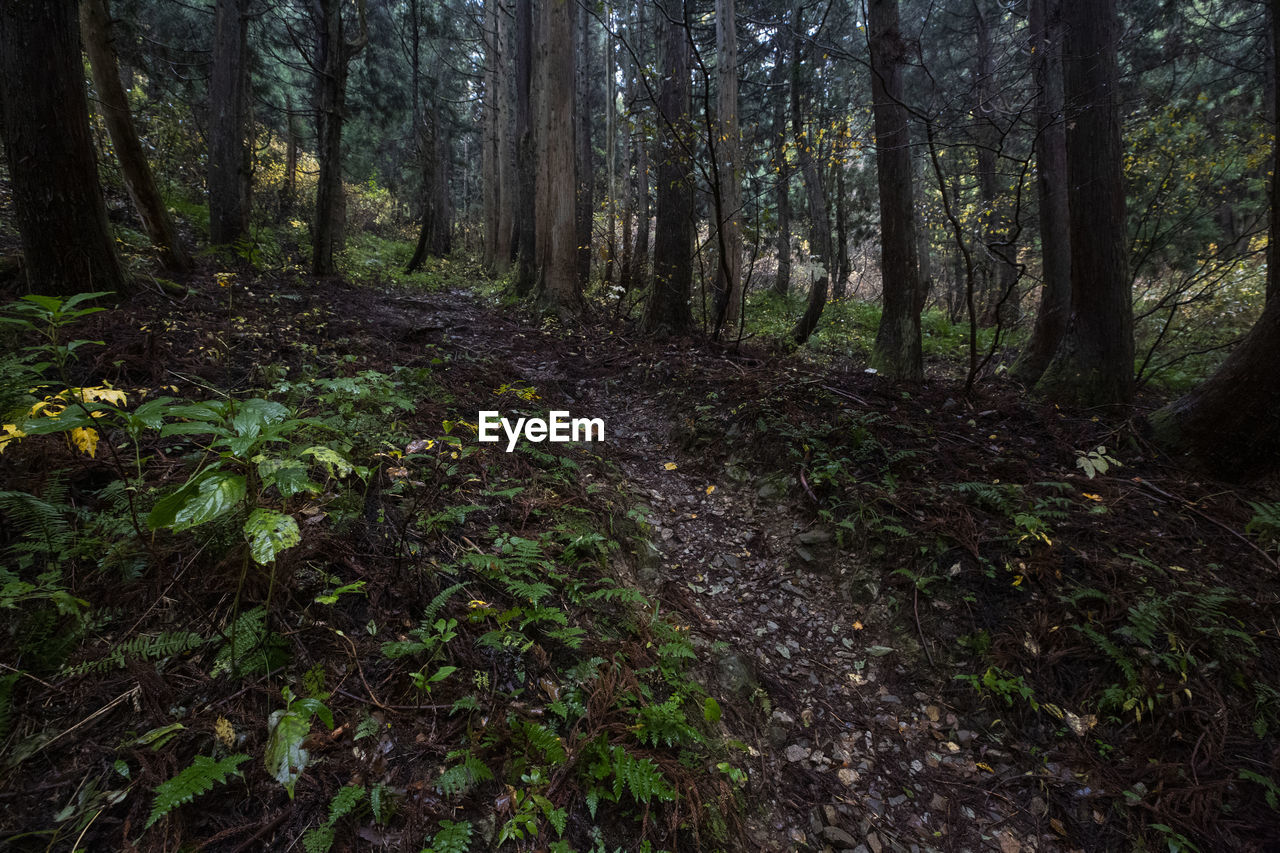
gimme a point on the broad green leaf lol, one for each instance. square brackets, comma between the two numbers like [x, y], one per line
[269, 532]
[215, 495]
[334, 462]
[287, 475]
[285, 758]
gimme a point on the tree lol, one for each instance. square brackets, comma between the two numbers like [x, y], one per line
[897, 351]
[333, 54]
[558, 283]
[95, 29]
[1230, 423]
[728, 285]
[526, 188]
[668, 309]
[1093, 364]
[815, 194]
[230, 163]
[1051, 180]
[67, 245]
[781, 168]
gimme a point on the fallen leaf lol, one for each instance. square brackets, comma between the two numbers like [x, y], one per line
[670, 466]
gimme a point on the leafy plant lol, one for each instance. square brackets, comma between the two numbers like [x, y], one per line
[320, 839]
[285, 758]
[197, 779]
[451, 838]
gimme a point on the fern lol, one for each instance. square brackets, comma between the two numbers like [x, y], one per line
[248, 646]
[639, 776]
[438, 602]
[531, 592]
[451, 838]
[461, 777]
[143, 648]
[197, 779]
[666, 724]
[42, 522]
[615, 594]
[320, 838]
[545, 741]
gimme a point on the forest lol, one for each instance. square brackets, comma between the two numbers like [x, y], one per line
[578, 425]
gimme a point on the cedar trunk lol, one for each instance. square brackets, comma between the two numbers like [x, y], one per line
[1051, 181]
[782, 184]
[95, 30]
[230, 163]
[897, 350]
[557, 225]
[1094, 361]
[668, 309]
[67, 245]
[526, 188]
[815, 193]
[728, 285]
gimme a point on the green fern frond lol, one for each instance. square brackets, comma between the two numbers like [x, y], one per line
[429, 615]
[142, 648]
[197, 779]
[639, 776]
[451, 838]
[42, 522]
[545, 741]
[462, 777]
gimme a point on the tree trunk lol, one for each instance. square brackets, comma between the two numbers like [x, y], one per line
[1094, 361]
[526, 189]
[557, 226]
[584, 72]
[668, 309]
[230, 159]
[1273, 244]
[610, 151]
[782, 185]
[66, 243]
[644, 215]
[333, 54]
[95, 30]
[897, 351]
[840, 280]
[1051, 180]
[290, 160]
[815, 194]
[489, 160]
[728, 281]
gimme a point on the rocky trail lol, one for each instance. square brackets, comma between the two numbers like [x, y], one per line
[853, 743]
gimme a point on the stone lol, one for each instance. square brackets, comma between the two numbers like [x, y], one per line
[816, 536]
[874, 842]
[836, 836]
[796, 752]
[847, 777]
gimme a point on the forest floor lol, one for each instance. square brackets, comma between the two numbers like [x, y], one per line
[921, 622]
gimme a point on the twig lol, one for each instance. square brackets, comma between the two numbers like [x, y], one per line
[133, 691]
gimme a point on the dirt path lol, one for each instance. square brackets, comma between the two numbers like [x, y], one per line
[852, 744]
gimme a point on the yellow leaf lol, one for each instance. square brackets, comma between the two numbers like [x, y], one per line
[857, 626]
[11, 433]
[1092, 497]
[85, 438]
[982, 765]
[710, 489]
[670, 466]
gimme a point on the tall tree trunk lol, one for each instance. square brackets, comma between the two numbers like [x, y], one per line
[1273, 244]
[840, 282]
[290, 159]
[644, 215]
[434, 236]
[526, 164]
[610, 150]
[503, 246]
[584, 206]
[815, 193]
[66, 243]
[489, 159]
[230, 158]
[333, 55]
[95, 30]
[728, 281]
[558, 283]
[1094, 361]
[1051, 181]
[668, 309]
[897, 351]
[781, 169]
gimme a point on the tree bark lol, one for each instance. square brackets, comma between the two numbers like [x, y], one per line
[584, 203]
[897, 351]
[526, 188]
[1273, 244]
[728, 282]
[489, 160]
[57, 198]
[668, 309]
[782, 184]
[95, 30]
[230, 160]
[815, 194]
[1051, 181]
[1094, 361]
[332, 57]
[558, 283]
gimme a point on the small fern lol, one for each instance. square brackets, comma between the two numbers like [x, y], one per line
[197, 779]
[545, 741]
[451, 838]
[249, 647]
[143, 648]
[461, 777]
[439, 602]
[320, 838]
